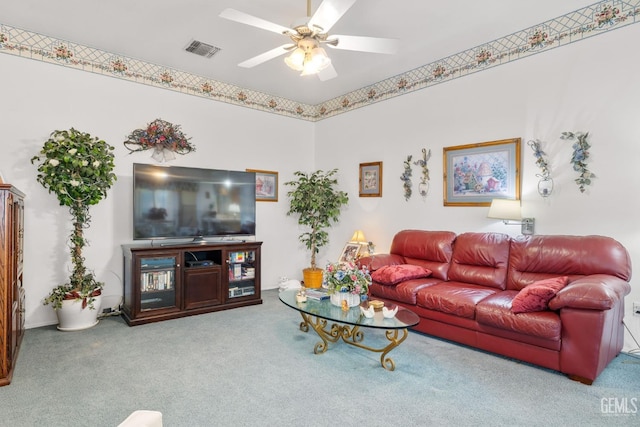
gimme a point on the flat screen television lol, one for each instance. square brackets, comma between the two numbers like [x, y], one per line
[174, 202]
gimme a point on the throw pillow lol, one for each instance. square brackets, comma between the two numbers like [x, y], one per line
[394, 274]
[536, 296]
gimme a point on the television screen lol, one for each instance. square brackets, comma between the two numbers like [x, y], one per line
[181, 202]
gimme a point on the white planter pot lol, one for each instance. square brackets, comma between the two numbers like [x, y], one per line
[72, 317]
[353, 300]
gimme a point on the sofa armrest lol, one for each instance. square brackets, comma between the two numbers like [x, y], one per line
[374, 262]
[594, 292]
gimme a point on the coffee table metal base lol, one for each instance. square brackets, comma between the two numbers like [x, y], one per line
[351, 335]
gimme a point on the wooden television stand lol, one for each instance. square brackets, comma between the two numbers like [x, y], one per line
[167, 281]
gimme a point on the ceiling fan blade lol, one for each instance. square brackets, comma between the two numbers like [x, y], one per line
[244, 18]
[329, 12]
[264, 57]
[365, 44]
[328, 73]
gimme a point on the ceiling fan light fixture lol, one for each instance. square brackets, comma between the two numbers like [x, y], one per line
[320, 59]
[308, 57]
[295, 61]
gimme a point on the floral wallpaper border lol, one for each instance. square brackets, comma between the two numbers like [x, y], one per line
[590, 21]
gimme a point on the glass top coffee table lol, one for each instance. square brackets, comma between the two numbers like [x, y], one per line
[331, 323]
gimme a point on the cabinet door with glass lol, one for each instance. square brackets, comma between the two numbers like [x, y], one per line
[158, 283]
[241, 273]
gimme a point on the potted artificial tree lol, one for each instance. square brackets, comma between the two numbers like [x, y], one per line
[317, 202]
[78, 169]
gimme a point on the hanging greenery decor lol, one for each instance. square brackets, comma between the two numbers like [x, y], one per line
[545, 184]
[423, 188]
[162, 137]
[580, 157]
[406, 178]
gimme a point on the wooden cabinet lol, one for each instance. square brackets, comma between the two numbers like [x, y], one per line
[11, 290]
[175, 280]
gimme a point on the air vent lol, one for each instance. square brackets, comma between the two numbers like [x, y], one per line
[202, 49]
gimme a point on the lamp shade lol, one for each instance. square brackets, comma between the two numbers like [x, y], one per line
[505, 209]
[358, 237]
[295, 61]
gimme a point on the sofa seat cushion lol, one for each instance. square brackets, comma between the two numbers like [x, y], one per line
[455, 298]
[495, 311]
[394, 274]
[481, 259]
[536, 296]
[403, 292]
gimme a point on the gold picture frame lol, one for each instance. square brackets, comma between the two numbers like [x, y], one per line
[370, 180]
[266, 185]
[475, 174]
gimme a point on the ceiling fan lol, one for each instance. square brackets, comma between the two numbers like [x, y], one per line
[307, 54]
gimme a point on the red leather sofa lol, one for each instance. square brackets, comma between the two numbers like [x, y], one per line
[474, 278]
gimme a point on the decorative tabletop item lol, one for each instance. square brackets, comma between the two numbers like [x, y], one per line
[406, 178]
[389, 312]
[545, 184]
[579, 158]
[346, 282]
[162, 137]
[423, 187]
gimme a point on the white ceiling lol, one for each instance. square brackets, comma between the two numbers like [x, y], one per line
[158, 31]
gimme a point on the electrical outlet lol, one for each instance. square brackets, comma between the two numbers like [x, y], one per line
[636, 308]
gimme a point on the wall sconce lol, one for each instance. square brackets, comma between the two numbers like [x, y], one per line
[509, 210]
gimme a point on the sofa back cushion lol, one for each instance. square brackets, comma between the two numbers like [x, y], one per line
[429, 249]
[480, 259]
[540, 257]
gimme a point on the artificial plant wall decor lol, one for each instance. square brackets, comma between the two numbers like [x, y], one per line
[423, 187]
[579, 157]
[162, 137]
[406, 178]
[545, 184]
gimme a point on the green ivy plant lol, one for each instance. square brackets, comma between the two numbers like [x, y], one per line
[317, 202]
[579, 158]
[77, 168]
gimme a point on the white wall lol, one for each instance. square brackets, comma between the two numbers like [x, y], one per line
[588, 86]
[38, 98]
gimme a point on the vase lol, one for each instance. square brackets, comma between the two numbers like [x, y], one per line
[423, 189]
[353, 300]
[72, 317]
[545, 186]
[312, 277]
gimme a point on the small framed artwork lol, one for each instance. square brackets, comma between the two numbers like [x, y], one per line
[350, 253]
[371, 179]
[475, 174]
[266, 185]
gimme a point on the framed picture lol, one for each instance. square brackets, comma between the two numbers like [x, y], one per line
[350, 252]
[371, 179]
[266, 185]
[475, 174]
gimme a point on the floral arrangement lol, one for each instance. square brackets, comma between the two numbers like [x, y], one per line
[161, 136]
[579, 157]
[539, 155]
[78, 168]
[347, 277]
